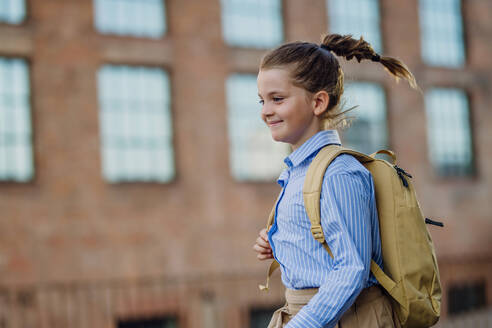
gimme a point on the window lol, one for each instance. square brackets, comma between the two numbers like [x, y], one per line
[253, 153]
[466, 298]
[16, 160]
[369, 129]
[149, 323]
[448, 129]
[356, 17]
[441, 33]
[12, 11]
[139, 18]
[252, 23]
[135, 124]
[260, 317]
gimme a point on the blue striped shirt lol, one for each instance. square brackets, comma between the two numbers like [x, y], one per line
[350, 223]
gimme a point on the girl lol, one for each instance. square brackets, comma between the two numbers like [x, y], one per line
[300, 85]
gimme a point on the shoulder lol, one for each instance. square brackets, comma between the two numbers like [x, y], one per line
[346, 164]
[347, 169]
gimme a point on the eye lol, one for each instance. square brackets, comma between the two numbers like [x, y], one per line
[261, 101]
[277, 99]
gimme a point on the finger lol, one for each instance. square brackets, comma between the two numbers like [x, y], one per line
[264, 235]
[258, 248]
[261, 249]
[264, 256]
[262, 243]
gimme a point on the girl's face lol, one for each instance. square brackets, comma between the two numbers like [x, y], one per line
[288, 110]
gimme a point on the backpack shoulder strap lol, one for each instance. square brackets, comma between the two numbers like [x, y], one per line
[313, 182]
[274, 265]
[271, 217]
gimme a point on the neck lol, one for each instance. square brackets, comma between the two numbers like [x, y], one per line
[301, 141]
[311, 131]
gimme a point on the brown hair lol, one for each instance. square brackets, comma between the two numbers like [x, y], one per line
[315, 68]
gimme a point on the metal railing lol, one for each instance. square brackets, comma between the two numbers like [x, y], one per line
[476, 319]
[105, 303]
[87, 305]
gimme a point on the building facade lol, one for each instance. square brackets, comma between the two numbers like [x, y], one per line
[135, 173]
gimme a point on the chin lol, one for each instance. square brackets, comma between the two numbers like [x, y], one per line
[276, 137]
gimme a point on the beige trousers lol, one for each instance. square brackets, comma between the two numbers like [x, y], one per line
[371, 309]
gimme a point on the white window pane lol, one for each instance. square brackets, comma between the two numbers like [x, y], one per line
[21, 120]
[253, 154]
[356, 17]
[441, 34]
[252, 23]
[448, 128]
[12, 11]
[134, 130]
[140, 18]
[16, 162]
[132, 161]
[3, 157]
[369, 130]
[23, 159]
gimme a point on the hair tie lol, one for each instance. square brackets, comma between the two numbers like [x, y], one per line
[325, 46]
[376, 58]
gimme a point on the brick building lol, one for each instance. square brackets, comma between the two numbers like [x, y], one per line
[135, 173]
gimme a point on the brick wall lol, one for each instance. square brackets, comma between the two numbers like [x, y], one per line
[69, 228]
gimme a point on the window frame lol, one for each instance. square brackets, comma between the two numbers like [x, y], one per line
[251, 44]
[463, 35]
[378, 48]
[132, 34]
[462, 289]
[30, 125]
[169, 109]
[24, 19]
[473, 170]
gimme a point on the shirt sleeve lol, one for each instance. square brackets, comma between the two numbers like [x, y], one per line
[345, 217]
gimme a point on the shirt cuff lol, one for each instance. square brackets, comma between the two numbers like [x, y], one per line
[305, 319]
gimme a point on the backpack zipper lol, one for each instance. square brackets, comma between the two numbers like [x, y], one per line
[401, 173]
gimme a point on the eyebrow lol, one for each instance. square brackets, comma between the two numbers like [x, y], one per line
[272, 92]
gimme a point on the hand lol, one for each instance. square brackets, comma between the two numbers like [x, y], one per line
[262, 246]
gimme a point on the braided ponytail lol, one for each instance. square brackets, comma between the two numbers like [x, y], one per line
[348, 47]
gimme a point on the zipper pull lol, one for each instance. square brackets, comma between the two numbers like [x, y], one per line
[437, 223]
[401, 174]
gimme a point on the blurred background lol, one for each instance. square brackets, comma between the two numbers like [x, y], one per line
[136, 173]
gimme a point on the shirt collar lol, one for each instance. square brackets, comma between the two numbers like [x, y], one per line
[313, 144]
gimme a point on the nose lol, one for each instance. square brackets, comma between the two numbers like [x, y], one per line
[266, 110]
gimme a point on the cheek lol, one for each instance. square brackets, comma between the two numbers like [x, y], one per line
[298, 114]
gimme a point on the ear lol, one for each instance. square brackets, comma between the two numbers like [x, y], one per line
[321, 100]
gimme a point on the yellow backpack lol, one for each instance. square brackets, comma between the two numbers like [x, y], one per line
[411, 275]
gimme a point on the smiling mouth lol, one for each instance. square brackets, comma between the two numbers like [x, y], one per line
[274, 123]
